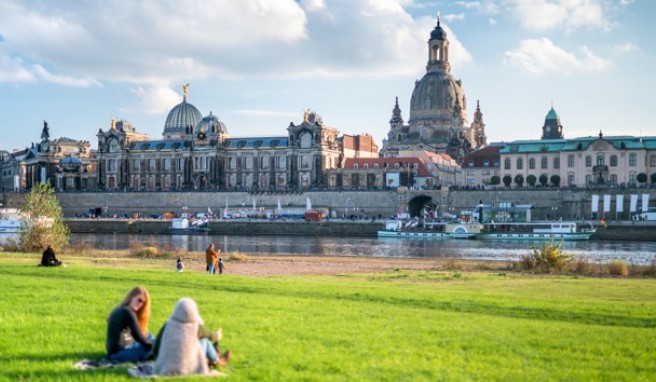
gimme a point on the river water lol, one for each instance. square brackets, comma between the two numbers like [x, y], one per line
[638, 253]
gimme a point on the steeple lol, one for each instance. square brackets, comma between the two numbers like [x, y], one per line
[396, 114]
[552, 128]
[438, 49]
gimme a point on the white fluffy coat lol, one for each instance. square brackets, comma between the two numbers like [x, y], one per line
[180, 352]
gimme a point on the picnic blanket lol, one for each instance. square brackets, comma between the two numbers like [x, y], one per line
[147, 370]
[91, 364]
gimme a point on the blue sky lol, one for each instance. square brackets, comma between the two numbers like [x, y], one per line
[258, 64]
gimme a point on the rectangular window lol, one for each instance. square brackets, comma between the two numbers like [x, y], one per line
[180, 164]
[167, 165]
[570, 160]
[249, 162]
[151, 164]
[544, 163]
[136, 165]
[633, 160]
[111, 165]
[588, 161]
[556, 162]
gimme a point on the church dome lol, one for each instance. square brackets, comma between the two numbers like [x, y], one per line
[211, 125]
[438, 33]
[434, 96]
[182, 117]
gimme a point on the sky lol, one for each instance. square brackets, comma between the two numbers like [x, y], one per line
[258, 64]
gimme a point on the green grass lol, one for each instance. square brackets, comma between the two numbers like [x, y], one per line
[395, 326]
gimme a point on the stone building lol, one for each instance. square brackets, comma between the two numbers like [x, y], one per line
[68, 164]
[480, 166]
[595, 161]
[197, 153]
[438, 111]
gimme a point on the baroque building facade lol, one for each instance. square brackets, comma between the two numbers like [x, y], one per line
[555, 161]
[438, 111]
[67, 164]
[197, 153]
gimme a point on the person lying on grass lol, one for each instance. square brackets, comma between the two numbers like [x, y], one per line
[128, 338]
[179, 350]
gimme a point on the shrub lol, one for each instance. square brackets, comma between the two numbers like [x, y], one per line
[236, 256]
[531, 179]
[507, 180]
[544, 179]
[146, 252]
[618, 268]
[547, 257]
[519, 180]
[42, 222]
[495, 180]
[555, 180]
[581, 266]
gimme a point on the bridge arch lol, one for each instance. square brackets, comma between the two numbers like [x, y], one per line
[417, 204]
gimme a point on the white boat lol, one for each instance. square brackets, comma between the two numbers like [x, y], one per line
[184, 226]
[560, 230]
[10, 220]
[414, 230]
[516, 224]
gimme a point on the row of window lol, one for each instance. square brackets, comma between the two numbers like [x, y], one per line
[376, 165]
[571, 161]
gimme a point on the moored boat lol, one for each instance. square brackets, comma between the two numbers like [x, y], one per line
[184, 226]
[10, 220]
[508, 221]
[416, 230]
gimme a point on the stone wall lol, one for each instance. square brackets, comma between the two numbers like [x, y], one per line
[548, 203]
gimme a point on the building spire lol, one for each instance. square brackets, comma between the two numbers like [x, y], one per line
[185, 90]
[438, 17]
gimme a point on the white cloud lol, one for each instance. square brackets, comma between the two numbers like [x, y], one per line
[488, 7]
[627, 47]
[543, 15]
[313, 5]
[626, 2]
[453, 17]
[538, 56]
[12, 70]
[492, 21]
[45, 75]
[154, 99]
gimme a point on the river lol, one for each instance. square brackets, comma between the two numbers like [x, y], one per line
[638, 253]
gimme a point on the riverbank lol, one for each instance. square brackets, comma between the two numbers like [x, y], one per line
[620, 231]
[262, 265]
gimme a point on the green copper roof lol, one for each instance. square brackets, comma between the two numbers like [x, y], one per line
[552, 114]
[578, 144]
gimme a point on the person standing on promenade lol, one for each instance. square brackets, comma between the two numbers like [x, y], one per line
[211, 255]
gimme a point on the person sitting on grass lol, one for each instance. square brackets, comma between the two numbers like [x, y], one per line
[49, 259]
[183, 345]
[128, 339]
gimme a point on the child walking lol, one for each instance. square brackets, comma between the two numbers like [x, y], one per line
[179, 265]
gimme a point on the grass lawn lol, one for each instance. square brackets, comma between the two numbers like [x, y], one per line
[393, 326]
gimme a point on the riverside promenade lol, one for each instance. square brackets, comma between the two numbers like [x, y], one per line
[616, 231]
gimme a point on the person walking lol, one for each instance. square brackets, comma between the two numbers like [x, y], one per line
[179, 265]
[211, 255]
[221, 266]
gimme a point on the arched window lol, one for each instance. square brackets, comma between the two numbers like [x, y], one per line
[600, 159]
[520, 163]
[113, 145]
[506, 164]
[571, 179]
[306, 140]
[544, 162]
[531, 163]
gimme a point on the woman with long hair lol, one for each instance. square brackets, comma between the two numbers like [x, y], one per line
[128, 338]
